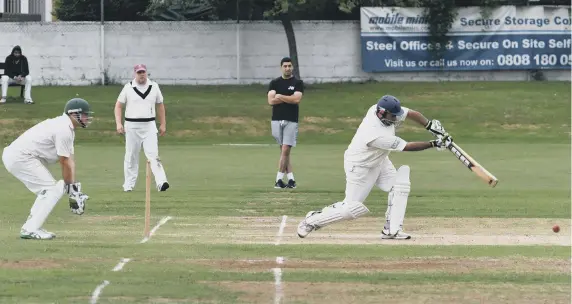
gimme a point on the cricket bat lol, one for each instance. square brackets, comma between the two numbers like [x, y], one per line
[473, 165]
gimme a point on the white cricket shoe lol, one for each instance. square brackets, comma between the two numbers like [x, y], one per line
[305, 229]
[39, 234]
[28, 101]
[3, 100]
[400, 235]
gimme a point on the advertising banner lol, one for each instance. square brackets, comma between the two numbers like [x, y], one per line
[395, 39]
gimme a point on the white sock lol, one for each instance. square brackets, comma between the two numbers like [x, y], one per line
[290, 176]
[279, 176]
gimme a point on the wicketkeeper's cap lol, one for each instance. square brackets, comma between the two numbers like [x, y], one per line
[140, 67]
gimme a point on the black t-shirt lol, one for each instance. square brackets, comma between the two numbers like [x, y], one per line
[286, 111]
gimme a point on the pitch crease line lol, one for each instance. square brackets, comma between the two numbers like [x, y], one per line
[279, 292]
[97, 291]
[120, 265]
[161, 222]
[278, 284]
[281, 230]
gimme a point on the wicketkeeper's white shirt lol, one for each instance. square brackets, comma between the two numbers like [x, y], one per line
[370, 129]
[47, 140]
[140, 100]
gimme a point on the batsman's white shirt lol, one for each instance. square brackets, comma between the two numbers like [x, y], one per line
[42, 144]
[360, 153]
[366, 165]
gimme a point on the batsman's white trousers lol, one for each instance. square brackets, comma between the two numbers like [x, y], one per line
[27, 82]
[360, 180]
[139, 134]
[32, 172]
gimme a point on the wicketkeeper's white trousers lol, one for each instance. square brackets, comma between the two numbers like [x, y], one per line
[137, 135]
[27, 82]
[360, 180]
[29, 170]
[34, 174]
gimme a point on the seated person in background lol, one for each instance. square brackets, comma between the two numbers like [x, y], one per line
[17, 71]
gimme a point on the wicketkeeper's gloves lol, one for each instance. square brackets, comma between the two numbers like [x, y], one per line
[77, 199]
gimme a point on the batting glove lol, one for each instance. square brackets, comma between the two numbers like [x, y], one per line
[434, 126]
[442, 142]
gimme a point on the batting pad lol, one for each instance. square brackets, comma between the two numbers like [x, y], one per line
[397, 199]
[45, 202]
[339, 211]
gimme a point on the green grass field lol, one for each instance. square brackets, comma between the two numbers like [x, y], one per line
[220, 244]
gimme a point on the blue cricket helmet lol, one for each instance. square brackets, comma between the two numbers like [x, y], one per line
[390, 104]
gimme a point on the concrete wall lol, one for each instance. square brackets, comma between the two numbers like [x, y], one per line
[69, 53]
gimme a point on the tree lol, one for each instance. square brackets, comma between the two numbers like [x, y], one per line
[90, 10]
[440, 15]
[284, 10]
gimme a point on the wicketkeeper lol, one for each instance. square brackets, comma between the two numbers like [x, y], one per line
[366, 163]
[48, 142]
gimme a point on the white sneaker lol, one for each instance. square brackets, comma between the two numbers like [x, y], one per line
[39, 234]
[400, 235]
[305, 229]
[28, 101]
[3, 100]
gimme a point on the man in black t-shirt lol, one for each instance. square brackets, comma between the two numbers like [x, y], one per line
[284, 95]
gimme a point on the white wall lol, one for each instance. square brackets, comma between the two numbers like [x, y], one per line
[68, 53]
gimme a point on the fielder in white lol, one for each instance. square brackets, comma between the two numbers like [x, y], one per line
[143, 99]
[48, 142]
[366, 163]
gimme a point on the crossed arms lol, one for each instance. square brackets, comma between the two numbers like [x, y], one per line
[274, 99]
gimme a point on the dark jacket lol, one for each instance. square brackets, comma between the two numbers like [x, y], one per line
[16, 66]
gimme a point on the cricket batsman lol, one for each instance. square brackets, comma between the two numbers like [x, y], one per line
[48, 142]
[366, 163]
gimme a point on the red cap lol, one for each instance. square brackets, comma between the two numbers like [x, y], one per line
[140, 67]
